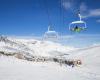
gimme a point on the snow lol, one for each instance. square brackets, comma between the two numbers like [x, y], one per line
[34, 47]
[12, 68]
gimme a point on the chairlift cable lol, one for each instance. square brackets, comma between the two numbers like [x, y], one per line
[47, 12]
[61, 14]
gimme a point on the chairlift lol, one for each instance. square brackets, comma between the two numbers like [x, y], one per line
[78, 26]
[50, 34]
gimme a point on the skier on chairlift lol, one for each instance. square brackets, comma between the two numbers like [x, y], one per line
[77, 29]
[81, 24]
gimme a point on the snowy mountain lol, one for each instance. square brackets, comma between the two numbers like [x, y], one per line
[12, 68]
[32, 49]
[32, 46]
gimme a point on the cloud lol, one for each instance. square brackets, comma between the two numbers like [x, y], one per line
[98, 21]
[92, 13]
[83, 7]
[73, 5]
[85, 11]
[67, 4]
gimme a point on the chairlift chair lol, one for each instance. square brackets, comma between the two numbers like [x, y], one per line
[50, 34]
[81, 25]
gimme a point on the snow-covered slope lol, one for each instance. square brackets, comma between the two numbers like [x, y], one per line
[33, 47]
[12, 68]
[90, 58]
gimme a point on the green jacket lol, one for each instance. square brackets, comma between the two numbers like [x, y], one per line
[78, 29]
